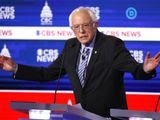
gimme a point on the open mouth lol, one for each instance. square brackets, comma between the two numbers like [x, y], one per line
[83, 37]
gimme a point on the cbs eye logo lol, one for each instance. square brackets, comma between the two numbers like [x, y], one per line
[131, 13]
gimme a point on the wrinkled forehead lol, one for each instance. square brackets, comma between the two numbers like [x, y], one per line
[81, 16]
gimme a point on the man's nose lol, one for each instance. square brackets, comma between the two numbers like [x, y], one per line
[81, 29]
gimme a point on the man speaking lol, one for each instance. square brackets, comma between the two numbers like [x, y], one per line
[95, 64]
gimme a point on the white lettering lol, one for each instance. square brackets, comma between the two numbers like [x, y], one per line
[138, 55]
[47, 55]
[7, 12]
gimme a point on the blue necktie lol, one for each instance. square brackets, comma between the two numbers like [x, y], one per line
[83, 65]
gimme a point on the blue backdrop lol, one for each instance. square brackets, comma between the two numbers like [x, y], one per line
[29, 13]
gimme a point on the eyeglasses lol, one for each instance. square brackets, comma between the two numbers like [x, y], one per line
[85, 26]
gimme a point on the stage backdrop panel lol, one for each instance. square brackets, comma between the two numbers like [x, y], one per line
[33, 32]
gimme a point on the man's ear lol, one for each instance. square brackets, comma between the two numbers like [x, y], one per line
[95, 24]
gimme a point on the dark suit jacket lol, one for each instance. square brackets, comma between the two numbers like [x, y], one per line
[104, 87]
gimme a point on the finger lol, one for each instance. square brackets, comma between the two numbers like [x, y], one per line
[1, 59]
[5, 57]
[157, 56]
[158, 60]
[147, 56]
[1, 66]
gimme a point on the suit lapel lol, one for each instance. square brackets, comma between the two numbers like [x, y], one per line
[73, 55]
[95, 54]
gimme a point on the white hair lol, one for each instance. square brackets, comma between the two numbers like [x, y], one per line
[90, 12]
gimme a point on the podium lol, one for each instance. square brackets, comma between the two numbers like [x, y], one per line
[58, 111]
[123, 114]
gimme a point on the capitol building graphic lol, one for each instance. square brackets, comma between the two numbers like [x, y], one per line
[5, 51]
[46, 15]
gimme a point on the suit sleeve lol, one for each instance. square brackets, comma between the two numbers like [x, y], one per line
[123, 61]
[42, 74]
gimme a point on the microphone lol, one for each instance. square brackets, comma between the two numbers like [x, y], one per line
[58, 80]
[60, 72]
[157, 103]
